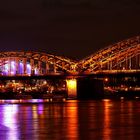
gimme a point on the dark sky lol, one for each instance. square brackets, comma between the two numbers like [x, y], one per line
[72, 28]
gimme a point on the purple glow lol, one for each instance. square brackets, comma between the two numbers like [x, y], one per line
[13, 68]
[40, 109]
[36, 71]
[28, 66]
[21, 68]
[23, 101]
[10, 121]
[5, 69]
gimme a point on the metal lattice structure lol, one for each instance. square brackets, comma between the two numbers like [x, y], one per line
[124, 55]
[28, 62]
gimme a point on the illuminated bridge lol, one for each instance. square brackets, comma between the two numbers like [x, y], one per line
[123, 56]
[36, 63]
[114, 68]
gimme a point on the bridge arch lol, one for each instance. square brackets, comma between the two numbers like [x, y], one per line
[124, 55]
[38, 63]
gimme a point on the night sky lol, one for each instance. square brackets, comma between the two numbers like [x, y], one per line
[71, 28]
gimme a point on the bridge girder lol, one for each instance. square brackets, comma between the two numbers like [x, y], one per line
[116, 53]
[60, 62]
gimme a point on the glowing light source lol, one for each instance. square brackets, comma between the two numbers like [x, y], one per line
[71, 83]
[106, 79]
[28, 66]
[36, 71]
[21, 68]
[13, 70]
[72, 87]
[121, 98]
[5, 69]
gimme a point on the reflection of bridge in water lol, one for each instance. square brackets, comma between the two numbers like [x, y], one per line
[119, 61]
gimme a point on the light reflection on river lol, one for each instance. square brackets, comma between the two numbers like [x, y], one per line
[70, 120]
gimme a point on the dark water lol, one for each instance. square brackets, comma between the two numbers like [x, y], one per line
[70, 120]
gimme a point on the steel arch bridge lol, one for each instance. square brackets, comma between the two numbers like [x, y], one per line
[122, 56]
[26, 63]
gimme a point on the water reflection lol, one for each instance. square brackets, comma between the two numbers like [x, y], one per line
[71, 120]
[107, 120]
[28, 101]
[71, 113]
[8, 122]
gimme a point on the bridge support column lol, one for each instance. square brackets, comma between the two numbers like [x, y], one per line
[17, 65]
[39, 67]
[85, 88]
[25, 65]
[47, 67]
[32, 66]
[9, 66]
[90, 88]
[72, 88]
[130, 63]
[111, 65]
[54, 70]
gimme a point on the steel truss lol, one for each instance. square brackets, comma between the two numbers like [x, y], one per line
[124, 55]
[112, 56]
[65, 64]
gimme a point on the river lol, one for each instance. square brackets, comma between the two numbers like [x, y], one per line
[70, 120]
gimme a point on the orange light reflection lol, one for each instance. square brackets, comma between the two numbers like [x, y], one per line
[106, 126]
[72, 130]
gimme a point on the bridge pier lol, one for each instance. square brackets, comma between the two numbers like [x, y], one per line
[85, 88]
[71, 88]
[90, 88]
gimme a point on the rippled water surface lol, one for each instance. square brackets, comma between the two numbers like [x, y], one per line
[70, 120]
